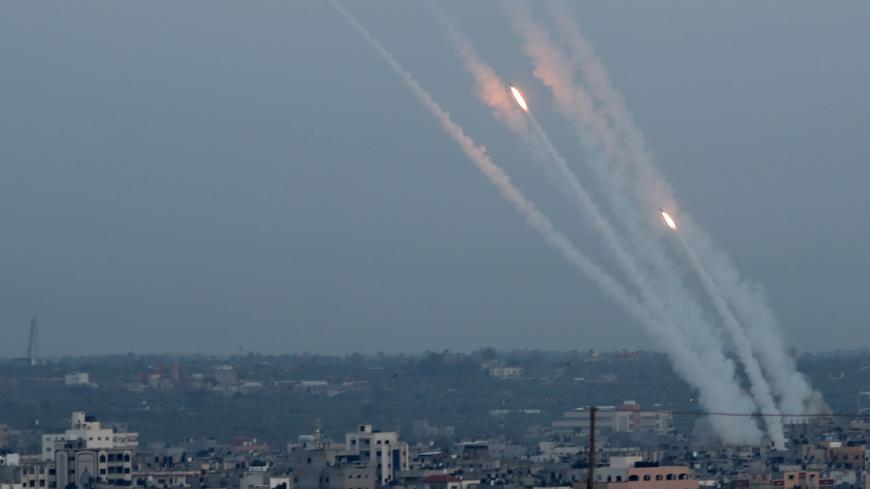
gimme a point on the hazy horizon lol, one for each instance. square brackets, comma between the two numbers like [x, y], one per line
[202, 177]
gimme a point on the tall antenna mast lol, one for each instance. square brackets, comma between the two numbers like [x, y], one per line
[590, 474]
[33, 343]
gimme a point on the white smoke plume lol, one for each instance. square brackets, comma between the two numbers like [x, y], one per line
[758, 385]
[685, 361]
[576, 104]
[504, 109]
[794, 392]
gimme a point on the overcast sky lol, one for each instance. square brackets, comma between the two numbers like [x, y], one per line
[208, 176]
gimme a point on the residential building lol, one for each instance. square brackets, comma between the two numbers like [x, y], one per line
[83, 466]
[626, 418]
[87, 430]
[633, 473]
[383, 451]
[506, 372]
[9, 459]
[76, 379]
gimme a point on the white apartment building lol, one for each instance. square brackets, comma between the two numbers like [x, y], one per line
[91, 434]
[381, 449]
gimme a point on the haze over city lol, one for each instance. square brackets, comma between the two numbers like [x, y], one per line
[434, 245]
[180, 179]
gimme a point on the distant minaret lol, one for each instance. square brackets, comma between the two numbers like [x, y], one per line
[33, 343]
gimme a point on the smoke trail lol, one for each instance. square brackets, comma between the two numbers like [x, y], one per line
[685, 361]
[794, 392]
[603, 145]
[758, 385]
[492, 92]
[503, 109]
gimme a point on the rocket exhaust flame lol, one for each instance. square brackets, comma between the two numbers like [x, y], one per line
[519, 98]
[669, 220]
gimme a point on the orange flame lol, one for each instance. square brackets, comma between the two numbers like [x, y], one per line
[519, 97]
[669, 220]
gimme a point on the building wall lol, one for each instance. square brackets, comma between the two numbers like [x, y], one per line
[164, 479]
[77, 378]
[801, 479]
[667, 477]
[36, 477]
[383, 450]
[626, 418]
[850, 457]
[108, 466]
[350, 477]
[92, 436]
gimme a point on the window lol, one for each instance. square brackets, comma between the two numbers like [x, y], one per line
[646, 477]
[658, 477]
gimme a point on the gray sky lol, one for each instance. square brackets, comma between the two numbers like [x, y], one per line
[204, 176]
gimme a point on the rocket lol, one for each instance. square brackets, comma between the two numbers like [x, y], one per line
[518, 96]
[668, 219]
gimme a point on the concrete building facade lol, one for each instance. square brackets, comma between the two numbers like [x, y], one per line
[382, 450]
[87, 430]
[626, 418]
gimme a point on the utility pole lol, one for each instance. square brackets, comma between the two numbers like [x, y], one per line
[590, 474]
